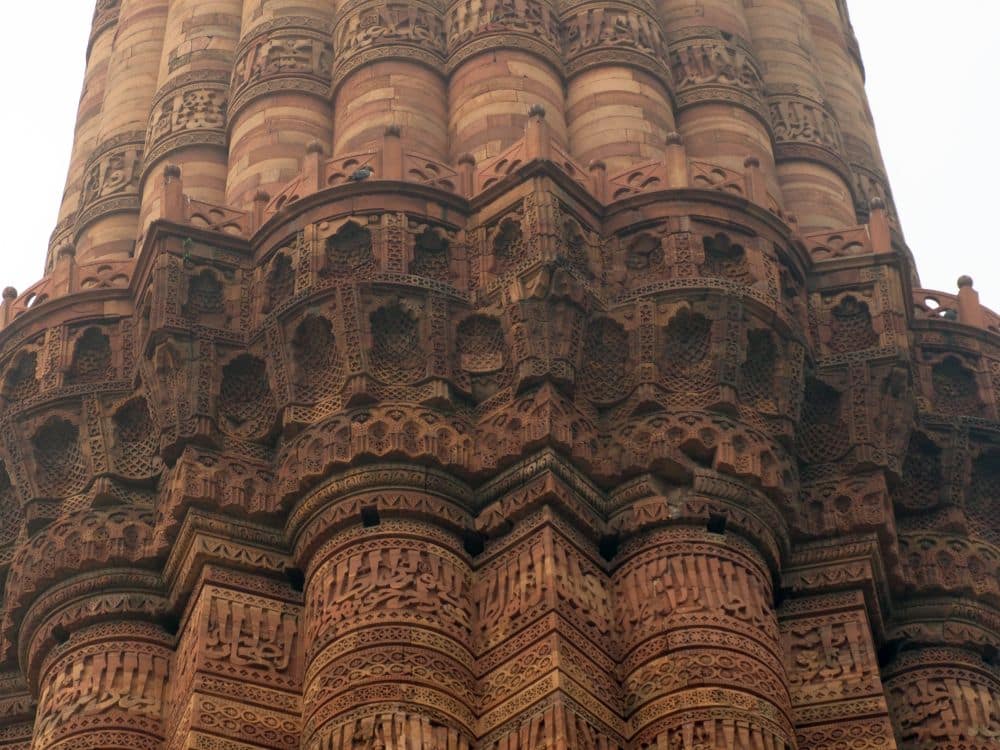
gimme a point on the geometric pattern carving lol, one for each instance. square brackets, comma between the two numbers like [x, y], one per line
[349, 251]
[921, 481]
[822, 436]
[508, 244]
[757, 384]
[91, 357]
[575, 244]
[397, 354]
[318, 364]
[686, 343]
[61, 467]
[983, 505]
[21, 379]
[725, 258]
[643, 253]
[204, 294]
[10, 511]
[280, 281]
[136, 439]
[605, 372]
[955, 389]
[245, 399]
[482, 354]
[430, 255]
[851, 327]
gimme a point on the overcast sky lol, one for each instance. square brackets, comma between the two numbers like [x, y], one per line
[933, 81]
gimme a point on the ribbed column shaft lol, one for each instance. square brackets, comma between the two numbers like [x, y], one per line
[720, 91]
[104, 689]
[835, 51]
[814, 176]
[618, 106]
[280, 98]
[700, 655]
[388, 72]
[503, 61]
[388, 620]
[187, 124]
[88, 121]
[945, 699]
[108, 219]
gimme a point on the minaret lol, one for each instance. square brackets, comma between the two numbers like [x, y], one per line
[88, 123]
[491, 375]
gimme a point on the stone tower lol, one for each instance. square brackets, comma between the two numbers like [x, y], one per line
[491, 375]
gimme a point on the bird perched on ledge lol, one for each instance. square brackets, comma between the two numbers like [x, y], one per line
[362, 174]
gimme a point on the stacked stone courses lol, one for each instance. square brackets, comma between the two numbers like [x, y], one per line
[491, 375]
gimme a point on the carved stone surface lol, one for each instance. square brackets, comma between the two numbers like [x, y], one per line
[944, 698]
[499, 416]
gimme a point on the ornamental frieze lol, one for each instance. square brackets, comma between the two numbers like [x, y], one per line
[192, 111]
[296, 55]
[111, 178]
[798, 120]
[707, 68]
[606, 34]
[373, 23]
[106, 14]
[482, 25]
[944, 698]
[579, 441]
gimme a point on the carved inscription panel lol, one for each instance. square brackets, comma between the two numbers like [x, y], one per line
[376, 579]
[674, 583]
[540, 573]
[103, 679]
[250, 633]
[944, 698]
[829, 657]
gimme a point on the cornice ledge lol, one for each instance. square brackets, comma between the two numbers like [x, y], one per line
[842, 564]
[209, 539]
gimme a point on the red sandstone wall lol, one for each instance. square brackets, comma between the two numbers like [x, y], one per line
[595, 412]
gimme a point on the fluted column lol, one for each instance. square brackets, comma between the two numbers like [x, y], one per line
[388, 623]
[836, 52]
[187, 125]
[700, 654]
[389, 72]
[104, 688]
[107, 223]
[944, 699]
[505, 58]
[720, 90]
[88, 121]
[618, 104]
[238, 665]
[280, 98]
[544, 636]
[814, 176]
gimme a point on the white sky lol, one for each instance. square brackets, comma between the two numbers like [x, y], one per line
[933, 83]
